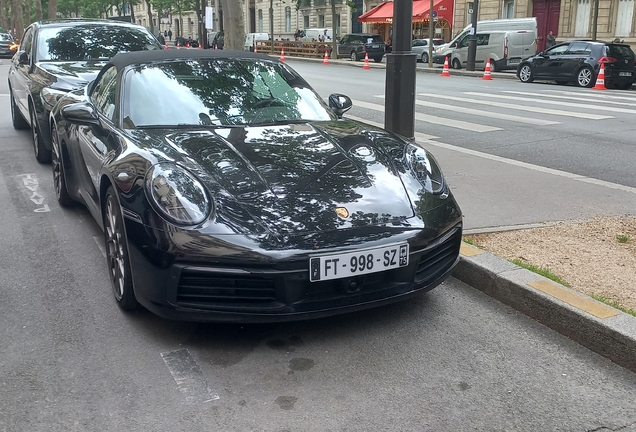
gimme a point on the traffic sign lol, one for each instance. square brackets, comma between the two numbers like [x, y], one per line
[434, 14]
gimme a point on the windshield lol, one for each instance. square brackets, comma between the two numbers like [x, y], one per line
[5, 37]
[91, 42]
[218, 92]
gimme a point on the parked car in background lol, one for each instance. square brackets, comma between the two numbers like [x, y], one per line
[186, 42]
[8, 45]
[356, 45]
[579, 62]
[58, 56]
[505, 49]
[251, 40]
[237, 194]
[216, 40]
[421, 46]
[526, 26]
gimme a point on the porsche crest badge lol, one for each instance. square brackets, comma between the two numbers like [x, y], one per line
[342, 212]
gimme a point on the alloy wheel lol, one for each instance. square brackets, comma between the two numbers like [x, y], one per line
[525, 73]
[115, 248]
[585, 77]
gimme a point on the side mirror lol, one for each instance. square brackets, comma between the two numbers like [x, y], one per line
[23, 58]
[340, 104]
[82, 113]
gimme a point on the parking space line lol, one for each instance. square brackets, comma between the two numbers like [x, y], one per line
[190, 380]
[422, 136]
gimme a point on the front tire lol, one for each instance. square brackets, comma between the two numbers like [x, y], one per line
[16, 117]
[57, 167]
[377, 59]
[424, 58]
[456, 63]
[525, 74]
[585, 77]
[353, 56]
[117, 253]
[42, 155]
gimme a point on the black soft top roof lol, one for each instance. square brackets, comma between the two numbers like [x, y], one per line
[122, 60]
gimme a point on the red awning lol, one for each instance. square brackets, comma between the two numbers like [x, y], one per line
[383, 13]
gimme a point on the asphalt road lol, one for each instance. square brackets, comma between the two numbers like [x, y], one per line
[453, 359]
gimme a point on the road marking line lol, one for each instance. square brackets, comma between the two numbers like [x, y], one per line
[577, 300]
[188, 376]
[532, 109]
[597, 95]
[588, 99]
[537, 168]
[482, 113]
[458, 124]
[381, 126]
[550, 102]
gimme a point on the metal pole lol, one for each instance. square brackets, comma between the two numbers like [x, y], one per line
[595, 19]
[431, 34]
[271, 25]
[399, 114]
[472, 43]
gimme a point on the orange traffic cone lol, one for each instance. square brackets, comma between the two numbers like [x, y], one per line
[487, 75]
[216, 47]
[326, 60]
[600, 79]
[200, 46]
[187, 44]
[255, 49]
[166, 47]
[178, 45]
[366, 61]
[446, 71]
[282, 54]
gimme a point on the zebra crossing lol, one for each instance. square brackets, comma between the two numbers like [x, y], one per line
[547, 107]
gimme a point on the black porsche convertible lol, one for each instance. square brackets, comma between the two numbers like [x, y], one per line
[228, 190]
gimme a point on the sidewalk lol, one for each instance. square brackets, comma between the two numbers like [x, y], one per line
[600, 328]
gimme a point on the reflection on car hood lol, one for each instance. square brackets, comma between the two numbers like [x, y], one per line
[292, 178]
[75, 73]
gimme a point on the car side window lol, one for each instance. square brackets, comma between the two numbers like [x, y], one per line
[103, 93]
[463, 42]
[557, 50]
[579, 48]
[482, 39]
[27, 41]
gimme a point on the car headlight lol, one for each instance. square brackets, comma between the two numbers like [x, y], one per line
[50, 96]
[177, 194]
[426, 170]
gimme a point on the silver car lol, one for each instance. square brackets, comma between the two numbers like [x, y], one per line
[420, 47]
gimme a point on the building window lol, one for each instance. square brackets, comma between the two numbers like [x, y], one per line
[508, 9]
[260, 20]
[306, 21]
[336, 25]
[321, 20]
[287, 19]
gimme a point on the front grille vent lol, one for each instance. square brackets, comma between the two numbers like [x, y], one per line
[437, 260]
[207, 287]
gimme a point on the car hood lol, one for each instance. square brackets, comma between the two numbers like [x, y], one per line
[292, 178]
[76, 73]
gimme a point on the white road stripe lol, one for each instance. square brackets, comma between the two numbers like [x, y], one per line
[423, 136]
[482, 113]
[588, 99]
[550, 102]
[598, 95]
[190, 380]
[571, 176]
[520, 107]
[474, 127]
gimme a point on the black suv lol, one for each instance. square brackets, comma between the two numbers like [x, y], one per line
[356, 45]
[579, 61]
[58, 56]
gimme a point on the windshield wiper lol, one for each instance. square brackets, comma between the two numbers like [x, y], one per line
[281, 122]
[189, 126]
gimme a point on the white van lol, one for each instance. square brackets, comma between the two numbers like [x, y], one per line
[251, 38]
[505, 49]
[312, 34]
[523, 44]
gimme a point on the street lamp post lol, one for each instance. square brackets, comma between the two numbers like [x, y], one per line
[472, 43]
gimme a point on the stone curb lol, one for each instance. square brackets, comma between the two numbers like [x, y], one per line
[598, 327]
[435, 70]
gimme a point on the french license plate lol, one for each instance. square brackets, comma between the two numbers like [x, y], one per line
[514, 61]
[624, 74]
[360, 262]
[375, 46]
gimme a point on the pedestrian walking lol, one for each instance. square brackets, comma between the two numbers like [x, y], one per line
[170, 35]
[550, 40]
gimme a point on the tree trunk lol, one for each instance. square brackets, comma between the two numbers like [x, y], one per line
[18, 23]
[149, 9]
[27, 11]
[38, 10]
[233, 24]
[52, 9]
[333, 29]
